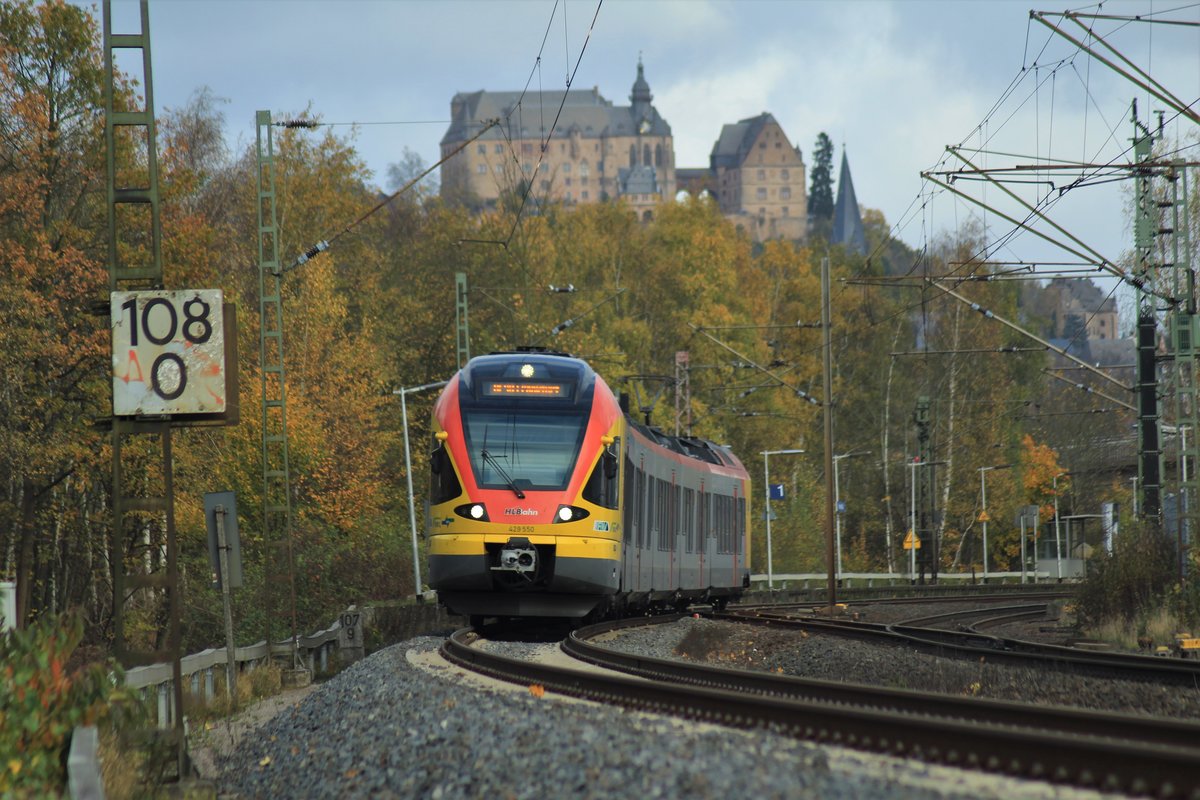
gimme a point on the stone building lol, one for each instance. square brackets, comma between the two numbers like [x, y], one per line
[759, 179]
[1071, 305]
[598, 151]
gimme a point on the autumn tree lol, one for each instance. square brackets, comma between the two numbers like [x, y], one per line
[51, 350]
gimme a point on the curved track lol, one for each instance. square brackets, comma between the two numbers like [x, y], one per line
[970, 643]
[1113, 752]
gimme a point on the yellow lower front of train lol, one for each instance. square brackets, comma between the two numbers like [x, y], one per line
[504, 570]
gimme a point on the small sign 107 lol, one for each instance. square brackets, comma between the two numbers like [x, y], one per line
[168, 352]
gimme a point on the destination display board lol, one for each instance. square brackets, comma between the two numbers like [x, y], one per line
[525, 389]
[168, 352]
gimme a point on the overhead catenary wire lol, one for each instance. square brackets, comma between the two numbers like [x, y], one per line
[325, 243]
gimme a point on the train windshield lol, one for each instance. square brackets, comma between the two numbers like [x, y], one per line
[523, 450]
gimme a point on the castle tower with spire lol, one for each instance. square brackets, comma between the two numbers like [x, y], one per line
[596, 151]
[847, 221]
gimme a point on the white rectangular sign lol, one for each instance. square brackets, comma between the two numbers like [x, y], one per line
[168, 352]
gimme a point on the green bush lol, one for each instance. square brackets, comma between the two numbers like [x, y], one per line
[41, 703]
[1130, 583]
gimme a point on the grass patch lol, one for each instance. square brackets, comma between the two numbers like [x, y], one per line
[254, 684]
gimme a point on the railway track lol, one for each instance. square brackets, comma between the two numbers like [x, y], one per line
[972, 643]
[1110, 752]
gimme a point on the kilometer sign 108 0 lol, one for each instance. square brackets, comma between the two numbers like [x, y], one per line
[168, 352]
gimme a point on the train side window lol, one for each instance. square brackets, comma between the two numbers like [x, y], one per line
[641, 509]
[729, 534]
[665, 497]
[723, 515]
[630, 497]
[672, 505]
[443, 483]
[652, 518]
[689, 518]
[740, 525]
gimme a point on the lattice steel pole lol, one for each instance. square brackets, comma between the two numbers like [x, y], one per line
[144, 521]
[278, 551]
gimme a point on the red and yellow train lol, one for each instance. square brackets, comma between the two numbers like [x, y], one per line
[548, 500]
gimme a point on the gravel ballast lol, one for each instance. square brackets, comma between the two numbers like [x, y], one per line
[403, 724]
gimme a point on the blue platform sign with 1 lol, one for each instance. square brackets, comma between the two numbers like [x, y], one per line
[168, 352]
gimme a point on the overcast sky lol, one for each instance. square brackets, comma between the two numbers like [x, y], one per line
[892, 83]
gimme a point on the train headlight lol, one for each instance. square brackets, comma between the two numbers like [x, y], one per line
[473, 511]
[570, 514]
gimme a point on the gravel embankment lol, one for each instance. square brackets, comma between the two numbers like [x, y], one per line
[388, 728]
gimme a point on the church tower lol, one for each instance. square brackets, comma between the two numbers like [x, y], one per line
[847, 221]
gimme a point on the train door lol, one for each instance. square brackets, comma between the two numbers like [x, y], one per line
[629, 506]
[688, 575]
[702, 545]
[673, 578]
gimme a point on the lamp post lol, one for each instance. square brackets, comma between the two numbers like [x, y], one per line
[404, 391]
[983, 515]
[912, 559]
[837, 499]
[1057, 534]
[912, 520]
[767, 485]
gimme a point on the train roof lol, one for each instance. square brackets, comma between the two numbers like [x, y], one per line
[690, 446]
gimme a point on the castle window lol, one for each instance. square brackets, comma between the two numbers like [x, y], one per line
[762, 145]
[784, 174]
[762, 174]
[633, 155]
[646, 155]
[567, 168]
[583, 167]
[760, 193]
[583, 181]
[545, 186]
[785, 211]
[785, 193]
[527, 148]
[658, 155]
[544, 167]
[583, 195]
[568, 181]
[499, 148]
[481, 149]
[481, 169]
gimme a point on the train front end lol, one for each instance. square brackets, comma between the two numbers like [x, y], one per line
[525, 513]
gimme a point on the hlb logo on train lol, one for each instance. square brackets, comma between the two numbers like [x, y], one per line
[168, 352]
[520, 512]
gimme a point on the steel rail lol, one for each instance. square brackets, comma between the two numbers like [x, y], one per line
[961, 736]
[1126, 666]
